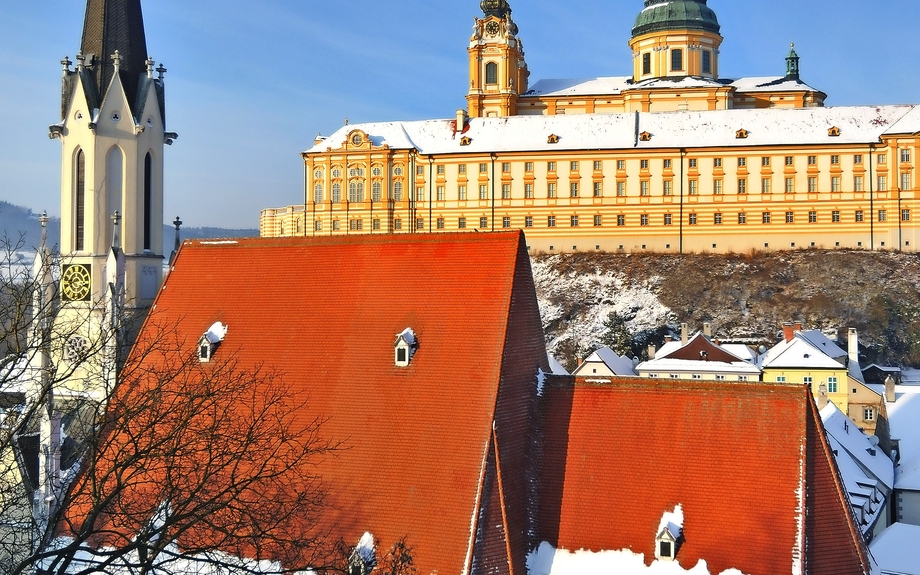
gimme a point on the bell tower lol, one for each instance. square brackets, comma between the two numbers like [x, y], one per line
[498, 72]
[112, 132]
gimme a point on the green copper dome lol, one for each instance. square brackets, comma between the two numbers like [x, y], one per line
[659, 15]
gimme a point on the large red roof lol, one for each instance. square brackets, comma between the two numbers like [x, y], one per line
[737, 459]
[416, 440]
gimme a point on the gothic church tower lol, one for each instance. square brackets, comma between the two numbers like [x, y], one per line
[112, 131]
[498, 72]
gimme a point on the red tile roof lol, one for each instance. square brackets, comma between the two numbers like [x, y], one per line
[617, 457]
[418, 440]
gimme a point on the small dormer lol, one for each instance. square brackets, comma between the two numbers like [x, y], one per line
[670, 535]
[210, 340]
[405, 347]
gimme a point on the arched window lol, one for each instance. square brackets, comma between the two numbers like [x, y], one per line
[80, 203]
[336, 192]
[353, 192]
[148, 202]
[491, 73]
[375, 191]
[318, 193]
[114, 162]
[397, 191]
[360, 192]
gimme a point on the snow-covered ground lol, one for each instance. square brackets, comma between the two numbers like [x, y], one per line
[547, 560]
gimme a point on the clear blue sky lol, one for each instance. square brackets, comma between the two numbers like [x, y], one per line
[251, 83]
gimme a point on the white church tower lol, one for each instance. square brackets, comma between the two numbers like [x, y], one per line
[112, 131]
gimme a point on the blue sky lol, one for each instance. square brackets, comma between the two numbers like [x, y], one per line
[251, 83]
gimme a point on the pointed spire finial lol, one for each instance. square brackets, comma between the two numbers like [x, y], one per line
[116, 60]
[150, 63]
[178, 224]
[116, 236]
[65, 63]
[161, 71]
[43, 220]
[80, 63]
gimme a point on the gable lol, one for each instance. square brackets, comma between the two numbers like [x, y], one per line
[701, 349]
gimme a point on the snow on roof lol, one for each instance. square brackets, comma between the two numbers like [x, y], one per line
[895, 550]
[863, 492]
[673, 522]
[825, 344]
[858, 445]
[547, 560]
[408, 336]
[619, 365]
[718, 128]
[741, 351]
[904, 421]
[771, 84]
[614, 85]
[797, 353]
[555, 367]
[365, 548]
[908, 124]
[698, 366]
[216, 333]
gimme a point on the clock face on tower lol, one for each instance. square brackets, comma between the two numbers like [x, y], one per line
[76, 282]
[492, 28]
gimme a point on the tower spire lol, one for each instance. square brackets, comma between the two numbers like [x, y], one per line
[114, 26]
[792, 64]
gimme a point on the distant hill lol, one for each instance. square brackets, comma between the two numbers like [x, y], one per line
[21, 229]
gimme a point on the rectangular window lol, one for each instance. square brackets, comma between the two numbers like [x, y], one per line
[765, 161]
[506, 167]
[717, 162]
[573, 166]
[812, 185]
[397, 224]
[550, 166]
[882, 215]
[551, 222]
[742, 218]
[461, 192]
[667, 164]
[905, 182]
[597, 221]
[859, 216]
[742, 185]
[868, 414]
[598, 165]
[551, 190]
[598, 189]
[742, 162]
[692, 219]
[621, 164]
[643, 220]
[790, 217]
[707, 62]
[440, 170]
[668, 220]
[807, 380]
[483, 192]
[812, 217]
[483, 223]
[506, 191]
[528, 166]
[318, 226]
[335, 225]
[644, 188]
[835, 160]
[376, 224]
[882, 158]
[461, 168]
[643, 164]
[717, 219]
[857, 183]
[812, 160]
[832, 385]
[442, 194]
[905, 215]
[788, 160]
[857, 159]
[621, 188]
[483, 168]
[573, 189]
[573, 222]
[668, 187]
[646, 63]
[835, 216]
[766, 217]
[717, 187]
[882, 183]
[790, 185]
[420, 194]
[835, 184]
[694, 187]
[461, 223]
[766, 185]
[905, 155]
[621, 220]
[677, 60]
[419, 224]
[440, 223]
[528, 221]
[420, 170]
[506, 222]
[528, 191]
[693, 162]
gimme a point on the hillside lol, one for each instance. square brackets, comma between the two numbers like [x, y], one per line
[746, 297]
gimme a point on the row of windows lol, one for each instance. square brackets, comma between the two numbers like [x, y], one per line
[597, 165]
[677, 61]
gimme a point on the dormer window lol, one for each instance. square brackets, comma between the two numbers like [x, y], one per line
[670, 534]
[405, 347]
[210, 341]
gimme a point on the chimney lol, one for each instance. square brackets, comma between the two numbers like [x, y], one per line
[822, 396]
[798, 325]
[707, 329]
[683, 334]
[461, 119]
[889, 389]
[788, 332]
[716, 341]
[853, 346]
[651, 351]
[668, 339]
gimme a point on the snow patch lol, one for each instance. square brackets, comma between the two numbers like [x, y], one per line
[547, 560]
[673, 521]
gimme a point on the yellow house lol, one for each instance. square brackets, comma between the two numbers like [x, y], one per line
[675, 158]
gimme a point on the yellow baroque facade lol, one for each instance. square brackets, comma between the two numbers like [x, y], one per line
[672, 159]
